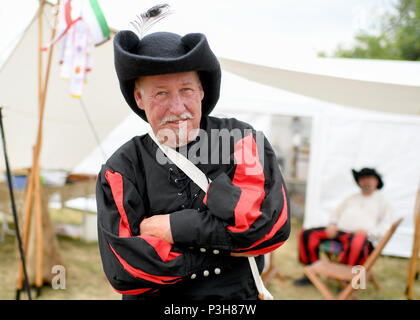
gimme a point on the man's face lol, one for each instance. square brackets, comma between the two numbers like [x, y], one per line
[368, 184]
[172, 103]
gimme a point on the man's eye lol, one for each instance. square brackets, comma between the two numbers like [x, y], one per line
[186, 89]
[161, 93]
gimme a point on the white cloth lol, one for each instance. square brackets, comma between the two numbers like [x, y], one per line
[372, 213]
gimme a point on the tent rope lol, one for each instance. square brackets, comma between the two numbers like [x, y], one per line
[92, 127]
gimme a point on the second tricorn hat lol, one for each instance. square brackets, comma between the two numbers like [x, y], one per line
[367, 172]
[163, 53]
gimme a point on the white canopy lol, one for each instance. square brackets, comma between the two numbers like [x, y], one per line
[68, 136]
[390, 86]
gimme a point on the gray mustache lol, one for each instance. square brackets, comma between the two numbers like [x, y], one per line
[184, 116]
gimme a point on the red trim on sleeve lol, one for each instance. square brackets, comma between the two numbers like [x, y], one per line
[266, 249]
[134, 291]
[115, 181]
[162, 247]
[277, 226]
[143, 275]
[249, 177]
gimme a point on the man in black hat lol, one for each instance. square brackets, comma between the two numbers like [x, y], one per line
[355, 226]
[160, 236]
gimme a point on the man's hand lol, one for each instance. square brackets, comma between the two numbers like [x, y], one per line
[157, 226]
[331, 231]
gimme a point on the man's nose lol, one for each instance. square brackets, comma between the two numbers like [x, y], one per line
[177, 106]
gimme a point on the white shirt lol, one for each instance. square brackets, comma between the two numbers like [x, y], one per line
[371, 213]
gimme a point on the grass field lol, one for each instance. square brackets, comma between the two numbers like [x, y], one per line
[85, 278]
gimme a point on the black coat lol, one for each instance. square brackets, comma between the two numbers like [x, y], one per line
[241, 212]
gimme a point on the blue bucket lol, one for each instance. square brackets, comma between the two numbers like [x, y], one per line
[18, 182]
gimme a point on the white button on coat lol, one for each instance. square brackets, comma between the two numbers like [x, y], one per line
[203, 249]
[217, 271]
[206, 273]
[193, 276]
[215, 251]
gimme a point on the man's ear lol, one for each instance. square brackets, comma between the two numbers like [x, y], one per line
[138, 97]
[200, 88]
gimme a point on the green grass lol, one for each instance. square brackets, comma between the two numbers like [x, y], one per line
[66, 215]
[85, 278]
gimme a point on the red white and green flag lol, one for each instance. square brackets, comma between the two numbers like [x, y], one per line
[92, 14]
[81, 26]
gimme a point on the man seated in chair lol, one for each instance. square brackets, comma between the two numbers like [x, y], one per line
[356, 225]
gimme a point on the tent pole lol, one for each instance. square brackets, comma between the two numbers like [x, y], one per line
[38, 192]
[38, 200]
[38, 212]
[34, 178]
[47, 73]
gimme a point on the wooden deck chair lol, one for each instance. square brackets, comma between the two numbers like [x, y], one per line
[332, 250]
[343, 272]
[413, 272]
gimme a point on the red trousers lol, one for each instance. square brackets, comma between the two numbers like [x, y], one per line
[355, 246]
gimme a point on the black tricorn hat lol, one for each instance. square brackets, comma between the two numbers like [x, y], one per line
[163, 53]
[367, 172]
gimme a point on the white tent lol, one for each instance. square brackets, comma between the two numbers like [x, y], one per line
[72, 127]
[388, 86]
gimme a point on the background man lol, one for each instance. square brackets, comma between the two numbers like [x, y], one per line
[357, 224]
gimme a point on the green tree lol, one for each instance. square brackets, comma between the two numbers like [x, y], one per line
[399, 36]
[406, 29]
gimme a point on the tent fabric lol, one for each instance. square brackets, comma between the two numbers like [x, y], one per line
[397, 82]
[356, 140]
[68, 137]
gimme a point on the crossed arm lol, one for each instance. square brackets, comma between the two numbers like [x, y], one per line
[159, 226]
